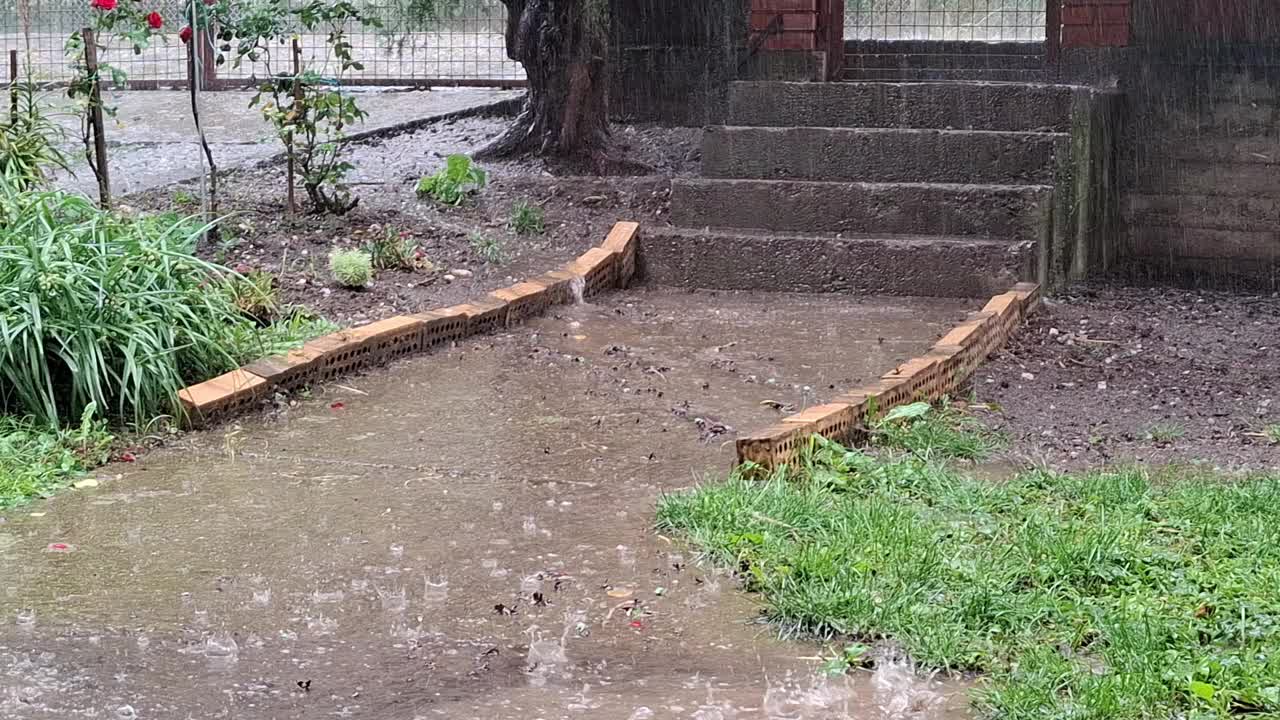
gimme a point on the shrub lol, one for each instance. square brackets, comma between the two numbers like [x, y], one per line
[351, 268]
[454, 182]
[527, 219]
[106, 312]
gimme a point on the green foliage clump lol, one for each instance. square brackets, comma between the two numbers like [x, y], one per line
[1108, 594]
[396, 251]
[102, 311]
[255, 295]
[36, 460]
[29, 139]
[351, 268]
[452, 184]
[488, 248]
[527, 219]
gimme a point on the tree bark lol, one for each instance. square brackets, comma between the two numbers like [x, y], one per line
[564, 47]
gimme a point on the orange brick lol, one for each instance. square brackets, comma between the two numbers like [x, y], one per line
[599, 270]
[1029, 292]
[442, 326]
[624, 240]
[485, 315]
[837, 421]
[286, 371]
[1004, 304]
[967, 332]
[390, 327]
[223, 394]
[559, 284]
[773, 446]
[524, 300]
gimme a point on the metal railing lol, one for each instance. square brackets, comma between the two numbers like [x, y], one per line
[421, 42]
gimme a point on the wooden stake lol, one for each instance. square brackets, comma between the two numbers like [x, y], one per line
[13, 86]
[297, 103]
[95, 118]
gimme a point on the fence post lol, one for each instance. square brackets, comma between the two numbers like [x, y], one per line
[297, 104]
[95, 118]
[1052, 31]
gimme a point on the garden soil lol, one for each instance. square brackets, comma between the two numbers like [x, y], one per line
[578, 211]
[1154, 376]
[462, 535]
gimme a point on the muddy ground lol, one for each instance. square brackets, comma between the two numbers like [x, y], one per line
[462, 535]
[1106, 375]
[579, 210]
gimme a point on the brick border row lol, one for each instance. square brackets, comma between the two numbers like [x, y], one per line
[944, 370]
[606, 267]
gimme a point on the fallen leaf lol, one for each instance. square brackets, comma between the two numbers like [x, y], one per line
[637, 625]
[60, 547]
[620, 593]
[37, 514]
[127, 457]
[86, 483]
[337, 406]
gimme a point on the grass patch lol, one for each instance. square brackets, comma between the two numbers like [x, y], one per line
[1097, 595]
[527, 219]
[36, 461]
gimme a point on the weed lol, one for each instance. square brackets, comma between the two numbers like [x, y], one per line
[396, 251]
[939, 431]
[452, 184]
[1165, 433]
[488, 248]
[1102, 595]
[184, 199]
[527, 219]
[36, 460]
[255, 295]
[351, 268]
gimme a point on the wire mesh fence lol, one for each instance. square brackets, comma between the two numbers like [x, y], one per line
[419, 42]
[976, 20]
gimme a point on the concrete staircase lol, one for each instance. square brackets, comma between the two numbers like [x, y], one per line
[942, 189]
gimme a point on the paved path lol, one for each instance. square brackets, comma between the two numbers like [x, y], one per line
[152, 139]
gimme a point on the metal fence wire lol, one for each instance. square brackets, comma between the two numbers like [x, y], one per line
[975, 20]
[439, 42]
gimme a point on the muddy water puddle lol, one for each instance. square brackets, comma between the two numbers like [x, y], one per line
[462, 535]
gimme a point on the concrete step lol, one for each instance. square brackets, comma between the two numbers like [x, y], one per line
[867, 265]
[941, 105]
[1208, 212]
[856, 74]
[880, 154]
[1160, 176]
[980, 61]
[1015, 212]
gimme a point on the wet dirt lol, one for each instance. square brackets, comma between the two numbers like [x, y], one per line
[578, 212]
[462, 535]
[1154, 376]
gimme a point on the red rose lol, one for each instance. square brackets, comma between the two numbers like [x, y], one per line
[107, 5]
[185, 34]
[153, 19]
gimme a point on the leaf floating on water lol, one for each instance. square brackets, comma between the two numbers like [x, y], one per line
[620, 593]
[86, 483]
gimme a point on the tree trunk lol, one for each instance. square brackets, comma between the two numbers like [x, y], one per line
[564, 47]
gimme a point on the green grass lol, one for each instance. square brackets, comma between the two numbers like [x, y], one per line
[36, 461]
[1097, 595]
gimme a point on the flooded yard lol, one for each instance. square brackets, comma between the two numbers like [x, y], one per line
[466, 534]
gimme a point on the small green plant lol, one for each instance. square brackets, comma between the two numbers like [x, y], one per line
[942, 431]
[351, 268]
[452, 184]
[527, 219]
[397, 251]
[1272, 434]
[488, 248]
[1165, 433]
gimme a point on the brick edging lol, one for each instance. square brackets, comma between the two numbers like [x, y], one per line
[610, 265]
[942, 371]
